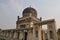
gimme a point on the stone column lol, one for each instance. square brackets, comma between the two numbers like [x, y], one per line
[21, 35]
[7, 34]
[0, 32]
[33, 33]
[48, 34]
[11, 34]
[43, 35]
[3, 33]
[15, 35]
[18, 34]
[29, 36]
[39, 33]
[54, 31]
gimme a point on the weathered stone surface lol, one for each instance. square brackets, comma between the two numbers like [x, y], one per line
[27, 31]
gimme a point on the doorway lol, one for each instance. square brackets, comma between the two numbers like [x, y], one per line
[25, 36]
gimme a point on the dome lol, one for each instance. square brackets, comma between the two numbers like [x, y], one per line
[29, 11]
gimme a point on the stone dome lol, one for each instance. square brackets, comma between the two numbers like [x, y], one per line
[29, 11]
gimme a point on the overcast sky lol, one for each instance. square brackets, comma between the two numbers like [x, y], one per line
[10, 9]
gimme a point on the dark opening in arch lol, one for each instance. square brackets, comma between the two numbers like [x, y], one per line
[25, 36]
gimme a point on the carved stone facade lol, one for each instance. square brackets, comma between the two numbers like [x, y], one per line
[29, 27]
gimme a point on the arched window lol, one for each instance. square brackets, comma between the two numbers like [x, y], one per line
[51, 34]
[22, 26]
[36, 33]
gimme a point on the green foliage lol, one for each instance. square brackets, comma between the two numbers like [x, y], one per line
[2, 39]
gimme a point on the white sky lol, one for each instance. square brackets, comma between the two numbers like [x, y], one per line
[10, 9]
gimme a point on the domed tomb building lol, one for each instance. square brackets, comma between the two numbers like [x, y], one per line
[29, 27]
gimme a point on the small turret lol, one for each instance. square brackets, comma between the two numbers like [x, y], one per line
[17, 17]
[40, 18]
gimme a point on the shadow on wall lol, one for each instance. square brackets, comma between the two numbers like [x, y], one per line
[58, 33]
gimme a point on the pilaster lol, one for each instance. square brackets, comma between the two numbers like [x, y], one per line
[39, 33]
[33, 33]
